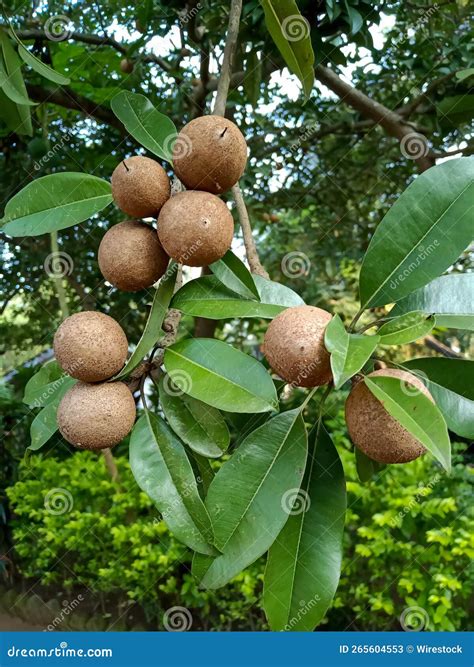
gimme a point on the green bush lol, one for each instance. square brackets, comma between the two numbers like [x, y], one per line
[407, 545]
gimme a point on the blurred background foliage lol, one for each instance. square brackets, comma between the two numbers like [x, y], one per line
[321, 176]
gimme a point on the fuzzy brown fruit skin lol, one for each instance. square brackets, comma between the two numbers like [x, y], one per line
[96, 416]
[373, 430]
[126, 66]
[294, 346]
[195, 228]
[131, 257]
[210, 154]
[140, 186]
[90, 346]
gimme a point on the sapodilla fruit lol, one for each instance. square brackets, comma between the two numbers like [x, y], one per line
[131, 256]
[294, 346]
[210, 153]
[96, 416]
[140, 186]
[373, 430]
[90, 346]
[195, 228]
[126, 66]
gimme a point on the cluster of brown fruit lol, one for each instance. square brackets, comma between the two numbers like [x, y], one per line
[194, 228]
[294, 347]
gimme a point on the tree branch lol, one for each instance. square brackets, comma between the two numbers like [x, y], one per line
[249, 241]
[392, 122]
[229, 50]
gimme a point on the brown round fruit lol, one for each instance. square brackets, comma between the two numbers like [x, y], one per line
[90, 346]
[140, 186]
[126, 66]
[294, 346]
[373, 430]
[210, 154]
[195, 228]
[131, 257]
[96, 416]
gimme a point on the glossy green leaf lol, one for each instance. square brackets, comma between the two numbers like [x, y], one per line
[16, 118]
[451, 383]
[349, 352]
[46, 386]
[234, 275]
[199, 425]
[153, 331]
[55, 202]
[355, 19]
[291, 33]
[162, 470]
[203, 471]
[221, 376]
[152, 129]
[44, 425]
[456, 110]
[207, 297]
[450, 298]
[247, 500]
[416, 413]
[406, 328]
[304, 562]
[9, 88]
[423, 233]
[44, 70]
[365, 466]
[12, 66]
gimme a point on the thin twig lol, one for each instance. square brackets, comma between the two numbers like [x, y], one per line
[229, 50]
[249, 241]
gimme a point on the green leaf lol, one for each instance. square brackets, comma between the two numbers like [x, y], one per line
[153, 331]
[199, 426]
[456, 110]
[366, 467]
[423, 233]
[46, 386]
[207, 297]
[9, 88]
[349, 352]
[355, 19]
[246, 500]
[416, 413]
[221, 376]
[291, 33]
[44, 425]
[406, 328]
[253, 77]
[12, 66]
[55, 202]
[163, 471]
[147, 125]
[451, 383]
[304, 562]
[450, 298]
[465, 73]
[16, 118]
[44, 70]
[234, 275]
